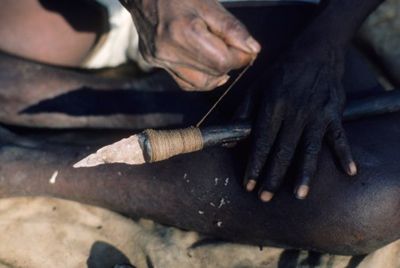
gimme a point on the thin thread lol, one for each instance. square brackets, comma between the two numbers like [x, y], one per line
[224, 94]
[167, 143]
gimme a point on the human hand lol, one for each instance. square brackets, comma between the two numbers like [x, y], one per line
[197, 41]
[303, 101]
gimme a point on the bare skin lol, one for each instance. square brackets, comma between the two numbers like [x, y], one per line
[43, 21]
[341, 216]
[303, 100]
[197, 41]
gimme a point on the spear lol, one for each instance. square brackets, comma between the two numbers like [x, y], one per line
[157, 145]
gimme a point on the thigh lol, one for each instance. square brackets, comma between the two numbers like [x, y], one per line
[203, 191]
[55, 32]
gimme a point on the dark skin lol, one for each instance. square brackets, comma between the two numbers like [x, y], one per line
[200, 42]
[303, 98]
[303, 102]
[340, 216]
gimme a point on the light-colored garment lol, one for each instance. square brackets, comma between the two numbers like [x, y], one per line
[120, 44]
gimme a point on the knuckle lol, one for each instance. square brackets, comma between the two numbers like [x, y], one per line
[272, 183]
[312, 149]
[193, 25]
[284, 155]
[254, 172]
[172, 31]
[337, 134]
[222, 64]
[256, 163]
[231, 24]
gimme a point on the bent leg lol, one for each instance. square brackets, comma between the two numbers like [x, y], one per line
[56, 32]
[202, 191]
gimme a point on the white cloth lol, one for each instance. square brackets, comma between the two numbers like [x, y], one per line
[121, 42]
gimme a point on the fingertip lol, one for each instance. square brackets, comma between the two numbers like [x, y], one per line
[253, 45]
[251, 185]
[302, 192]
[266, 196]
[223, 80]
[352, 169]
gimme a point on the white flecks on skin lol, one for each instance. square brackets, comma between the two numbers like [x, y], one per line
[219, 224]
[53, 177]
[201, 212]
[119, 173]
[221, 202]
[187, 181]
[185, 176]
[212, 204]
[226, 181]
[216, 181]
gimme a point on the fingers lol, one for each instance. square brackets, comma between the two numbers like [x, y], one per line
[231, 30]
[312, 142]
[281, 159]
[207, 57]
[217, 57]
[204, 63]
[193, 80]
[337, 139]
[266, 130]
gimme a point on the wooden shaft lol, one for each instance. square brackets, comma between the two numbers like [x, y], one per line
[212, 136]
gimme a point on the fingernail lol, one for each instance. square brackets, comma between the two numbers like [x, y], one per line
[352, 169]
[251, 184]
[266, 196]
[302, 191]
[224, 80]
[253, 45]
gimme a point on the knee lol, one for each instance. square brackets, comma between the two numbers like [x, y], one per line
[371, 217]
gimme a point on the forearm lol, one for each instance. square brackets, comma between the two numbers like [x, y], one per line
[338, 20]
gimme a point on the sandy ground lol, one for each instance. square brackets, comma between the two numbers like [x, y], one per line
[44, 232]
